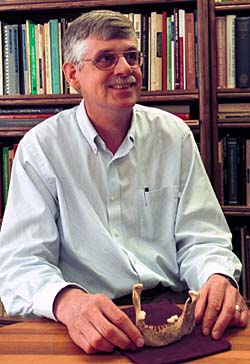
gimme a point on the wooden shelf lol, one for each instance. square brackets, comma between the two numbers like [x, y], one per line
[240, 211]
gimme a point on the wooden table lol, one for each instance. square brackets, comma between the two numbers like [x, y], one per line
[46, 342]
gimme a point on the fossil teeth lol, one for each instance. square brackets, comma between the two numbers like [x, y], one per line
[175, 328]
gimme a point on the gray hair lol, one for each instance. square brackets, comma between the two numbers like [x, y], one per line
[102, 24]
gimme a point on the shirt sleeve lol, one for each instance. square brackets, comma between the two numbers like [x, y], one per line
[30, 246]
[204, 245]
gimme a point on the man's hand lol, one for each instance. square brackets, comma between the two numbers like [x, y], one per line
[94, 322]
[220, 305]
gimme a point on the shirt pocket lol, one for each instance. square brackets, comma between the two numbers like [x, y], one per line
[157, 213]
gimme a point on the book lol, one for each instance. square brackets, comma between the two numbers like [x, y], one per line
[39, 29]
[232, 170]
[24, 74]
[169, 54]
[234, 107]
[1, 57]
[54, 54]
[190, 51]
[221, 51]
[15, 73]
[176, 50]
[182, 50]
[33, 58]
[156, 51]
[47, 56]
[144, 49]
[242, 51]
[230, 50]
[164, 51]
[6, 65]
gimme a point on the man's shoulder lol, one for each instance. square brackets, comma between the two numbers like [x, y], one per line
[164, 118]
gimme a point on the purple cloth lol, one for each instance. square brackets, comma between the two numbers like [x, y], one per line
[190, 347]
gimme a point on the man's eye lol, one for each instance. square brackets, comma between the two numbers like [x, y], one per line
[105, 58]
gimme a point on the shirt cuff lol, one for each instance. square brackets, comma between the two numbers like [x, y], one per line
[44, 299]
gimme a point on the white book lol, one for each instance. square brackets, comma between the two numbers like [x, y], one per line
[230, 49]
[172, 52]
[182, 49]
[137, 27]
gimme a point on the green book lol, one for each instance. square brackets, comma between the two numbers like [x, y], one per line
[169, 54]
[55, 56]
[33, 75]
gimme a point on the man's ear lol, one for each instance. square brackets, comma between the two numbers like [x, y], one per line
[70, 72]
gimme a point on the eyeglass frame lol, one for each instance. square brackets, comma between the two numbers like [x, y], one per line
[118, 55]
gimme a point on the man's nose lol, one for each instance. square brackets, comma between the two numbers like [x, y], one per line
[122, 65]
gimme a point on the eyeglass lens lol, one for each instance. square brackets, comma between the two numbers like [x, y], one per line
[108, 60]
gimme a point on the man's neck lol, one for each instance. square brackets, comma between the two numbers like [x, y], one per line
[113, 128]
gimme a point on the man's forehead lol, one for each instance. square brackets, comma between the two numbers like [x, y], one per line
[111, 45]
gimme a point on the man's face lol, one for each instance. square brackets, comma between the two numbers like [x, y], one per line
[114, 89]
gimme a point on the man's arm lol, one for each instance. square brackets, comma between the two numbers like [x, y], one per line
[204, 248]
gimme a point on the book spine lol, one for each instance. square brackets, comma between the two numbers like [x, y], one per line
[16, 69]
[6, 84]
[1, 58]
[24, 82]
[190, 51]
[230, 48]
[221, 51]
[33, 71]
[176, 50]
[242, 51]
[169, 54]
[164, 51]
[144, 49]
[232, 169]
[182, 51]
[54, 49]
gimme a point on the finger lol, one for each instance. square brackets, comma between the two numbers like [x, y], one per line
[240, 318]
[214, 305]
[110, 332]
[122, 322]
[226, 314]
[200, 306]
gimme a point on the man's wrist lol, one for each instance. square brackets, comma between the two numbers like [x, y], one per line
[229, 279]
[67, 294]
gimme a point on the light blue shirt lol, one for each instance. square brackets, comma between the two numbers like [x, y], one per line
[77, 214]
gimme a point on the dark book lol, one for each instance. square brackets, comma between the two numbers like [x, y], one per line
[144, 50]
[232, 169]
[242, 51]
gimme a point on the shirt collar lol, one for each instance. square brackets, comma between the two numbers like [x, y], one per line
[90, 132]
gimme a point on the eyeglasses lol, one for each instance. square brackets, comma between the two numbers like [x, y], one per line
[107, 61]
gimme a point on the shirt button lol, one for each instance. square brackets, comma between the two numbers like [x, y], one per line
[115, 232]
[113, 197]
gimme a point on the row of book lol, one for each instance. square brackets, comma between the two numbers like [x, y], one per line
[31, 58]
[233, 51]
[241, 247]
[234, 170]
[169, 42]
[31, 53]
[233, 110]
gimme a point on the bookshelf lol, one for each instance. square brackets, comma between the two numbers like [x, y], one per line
[230, 130]
[197, 98]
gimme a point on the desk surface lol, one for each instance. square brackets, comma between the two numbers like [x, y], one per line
[46, 342]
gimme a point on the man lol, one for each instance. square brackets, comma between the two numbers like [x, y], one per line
[109, 194]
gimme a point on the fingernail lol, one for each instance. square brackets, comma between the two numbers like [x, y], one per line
[215, 335]
[139, 342]
[206, 331]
